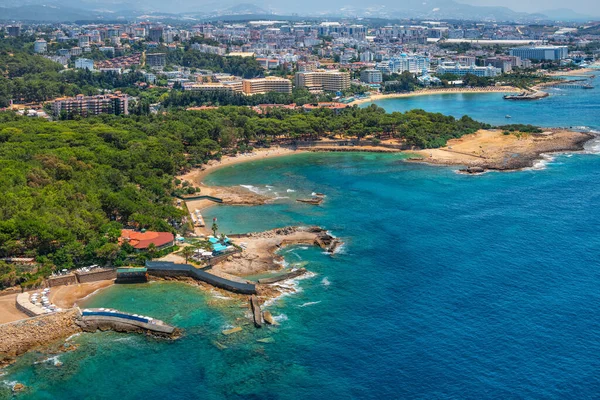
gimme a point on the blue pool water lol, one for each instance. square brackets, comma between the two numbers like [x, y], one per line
[448, 286]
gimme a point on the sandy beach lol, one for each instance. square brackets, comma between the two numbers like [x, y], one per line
[426, 92]
[229, 195]
[492, 150]
[8, 309]
[197, 176]
[574, 72]
[68, 296]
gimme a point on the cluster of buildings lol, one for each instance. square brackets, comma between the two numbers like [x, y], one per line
[116, 103]
[245, 86]
[319, 56]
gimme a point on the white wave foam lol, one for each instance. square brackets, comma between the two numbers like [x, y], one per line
[592, 147]
[72, 336]
[341, 249]
[253, 189]
[8, 383]
[54, 360]
[290, 190]
[217, 295]
[280, 197]
[542, 163]
[280, 318]
[291, 286]
[310, 303]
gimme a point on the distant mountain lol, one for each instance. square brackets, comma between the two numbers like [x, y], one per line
[243, 9]
[45, 13]
[71, 10]
[565, 14]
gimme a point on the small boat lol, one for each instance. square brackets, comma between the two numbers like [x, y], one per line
[507, 116]
[314, 200]
[587, 86]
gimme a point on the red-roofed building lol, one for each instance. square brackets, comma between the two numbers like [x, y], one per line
[141, 240]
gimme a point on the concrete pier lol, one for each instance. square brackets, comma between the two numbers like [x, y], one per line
[92, 319]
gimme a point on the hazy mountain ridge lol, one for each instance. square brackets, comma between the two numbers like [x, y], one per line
[70, 10]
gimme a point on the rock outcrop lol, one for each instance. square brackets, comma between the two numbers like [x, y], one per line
[21, 336]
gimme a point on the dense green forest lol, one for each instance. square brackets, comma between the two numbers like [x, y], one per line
[299, 96]
[246, 67]
[70, 186]
[31, 78]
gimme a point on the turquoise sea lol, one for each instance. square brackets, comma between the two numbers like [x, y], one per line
[448, 286]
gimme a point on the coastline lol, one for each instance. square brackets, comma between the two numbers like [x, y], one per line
[427, 92]
[488, 150]
[575, 72]
[68, 296]
[198, 175]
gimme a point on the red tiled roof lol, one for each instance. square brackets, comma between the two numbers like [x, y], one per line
[141, 240]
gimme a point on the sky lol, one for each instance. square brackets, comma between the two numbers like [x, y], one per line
[591, 7]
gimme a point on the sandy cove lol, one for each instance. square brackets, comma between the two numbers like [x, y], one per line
[229, 195]
[492, 150]
[426, 92]
[68, 296]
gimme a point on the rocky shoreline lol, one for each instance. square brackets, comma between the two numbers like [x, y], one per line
[22, 336]
[495, 151]
[40, 332]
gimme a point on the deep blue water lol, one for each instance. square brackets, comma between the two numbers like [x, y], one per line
[448, 286]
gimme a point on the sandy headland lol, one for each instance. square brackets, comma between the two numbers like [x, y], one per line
[493, 150]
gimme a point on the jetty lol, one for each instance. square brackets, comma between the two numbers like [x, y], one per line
[314, 201]
[573, 86]
[93, 319]
[527, 96]
[283, 277]
[170, 269]
[256, 312]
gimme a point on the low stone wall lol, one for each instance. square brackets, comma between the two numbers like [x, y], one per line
[94, 276]
[166, 268]
[215, 260]
[61, 280]
[24, 305]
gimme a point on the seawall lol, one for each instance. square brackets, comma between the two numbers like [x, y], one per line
[167, 269]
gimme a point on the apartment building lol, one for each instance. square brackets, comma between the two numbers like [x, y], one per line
[332, 81]
[546, 53]
[265, 85]
[228, 86]
[371, 76]
[116, 103]
[156, 59]
[460, 70]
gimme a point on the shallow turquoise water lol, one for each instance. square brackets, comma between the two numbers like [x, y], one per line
[448, 286]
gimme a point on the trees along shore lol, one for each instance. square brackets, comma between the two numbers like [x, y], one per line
[70, 186]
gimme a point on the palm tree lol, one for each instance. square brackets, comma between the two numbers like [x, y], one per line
[215, 227]
[187, 252]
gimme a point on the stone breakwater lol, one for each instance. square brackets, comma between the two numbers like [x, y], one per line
[18, 337]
